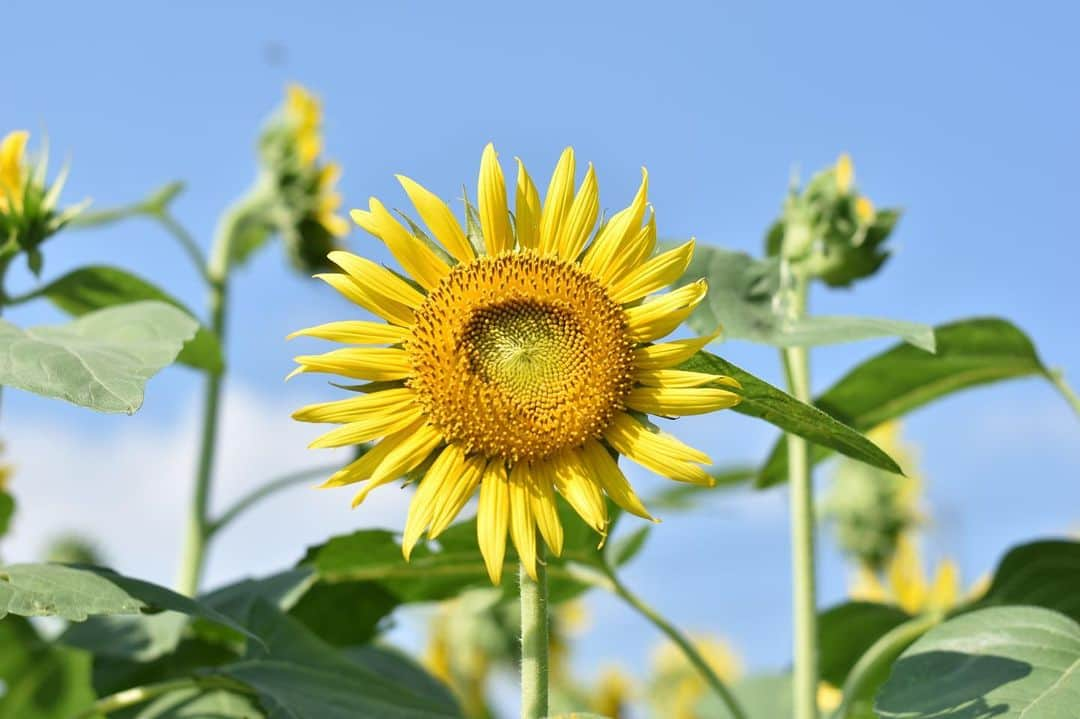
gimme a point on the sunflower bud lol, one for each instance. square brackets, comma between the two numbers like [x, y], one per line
[302, 185]
[28, 212]
[871, 509]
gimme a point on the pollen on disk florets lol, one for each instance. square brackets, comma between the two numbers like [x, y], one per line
[520, 356]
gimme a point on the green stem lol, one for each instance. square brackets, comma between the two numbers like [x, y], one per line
[262, 492]
[534, 641]
[139, 695]
[688, 649]
[1058, 378]
[869, 672]
[199, 526]
[800, 484]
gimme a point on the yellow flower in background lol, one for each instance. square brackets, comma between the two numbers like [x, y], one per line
[515, 364]
[613, 694]
[13, 170]
[907, 585]
[864, 210]
[678, 685]
[845, 173]
[305, 112]
[329, 201]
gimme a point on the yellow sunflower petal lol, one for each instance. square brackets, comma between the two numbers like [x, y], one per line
[527, 210]
[372, 301]
[660, 316]
[491, 201]
[406, 456]
[362, 468]
[605, 470]
[658, 451]
[422, 508]
[457, 494]
[545, 508]
[346, 410]
[492, 518]
[356, 332]
[575, 484]
[682, 378]
[580, 220]
[601, 258]
[372, 426]
[377, 278]
[371, 363]
[439, 219]
[669, 354]
[522, 521]
[12, 149]
[419, 260]
[655, 274]
[680, 401]
[637, 250]
[560, 194]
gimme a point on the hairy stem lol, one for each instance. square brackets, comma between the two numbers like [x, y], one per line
[801, 493]
[534, 641]
[681, 641]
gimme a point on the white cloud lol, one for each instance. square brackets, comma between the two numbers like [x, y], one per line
[128, 488]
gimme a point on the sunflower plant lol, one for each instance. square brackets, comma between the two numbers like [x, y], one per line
[518, 362]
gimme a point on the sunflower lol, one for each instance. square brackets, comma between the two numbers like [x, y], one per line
[516, 361]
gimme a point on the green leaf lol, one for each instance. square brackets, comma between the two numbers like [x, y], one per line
[399, 667]
[1044, 574]
[301, 677]
[96, 287]
[969, 353]
[7, 510]
[1003, 662]
[760, 399]
[622, 550]
[102, 360]
[742, 299]
[847, 631]
[767, 696]
[39, 680]
[75, 593]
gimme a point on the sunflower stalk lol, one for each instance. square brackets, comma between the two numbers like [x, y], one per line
[200, 526]
[534, 640]
[800, 483]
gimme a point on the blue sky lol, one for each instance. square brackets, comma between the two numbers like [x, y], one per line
[958, 112]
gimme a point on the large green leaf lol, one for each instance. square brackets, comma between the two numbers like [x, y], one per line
[1044, 574]
[760, 399]
[742, 301]
[39, 680]
[196, 704]
[969, 353]
[847, 630]
[299, 676]
[101, 360]
[75, 593]
[1004, 662]
[96, 287]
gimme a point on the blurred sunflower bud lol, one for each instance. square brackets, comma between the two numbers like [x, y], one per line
[302, 184]
[613, 694]
[73, 549]
[677, 687]
[832, 230]
[870, 508]
[28, 211]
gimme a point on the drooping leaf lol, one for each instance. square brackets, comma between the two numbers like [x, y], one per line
[75, 593]
[623, 549]
[196, 704]
[300, 677]
[969, 353]
[763, 401]
[40, 680]
[1005, 662]
[96, 287]
[847, 630]
[101, 360]
[1044, 574]
[742, 300]
[399, 667]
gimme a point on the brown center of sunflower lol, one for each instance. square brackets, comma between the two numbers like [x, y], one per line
[520, 356]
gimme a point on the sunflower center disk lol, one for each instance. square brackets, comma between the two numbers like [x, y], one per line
[520, 356]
